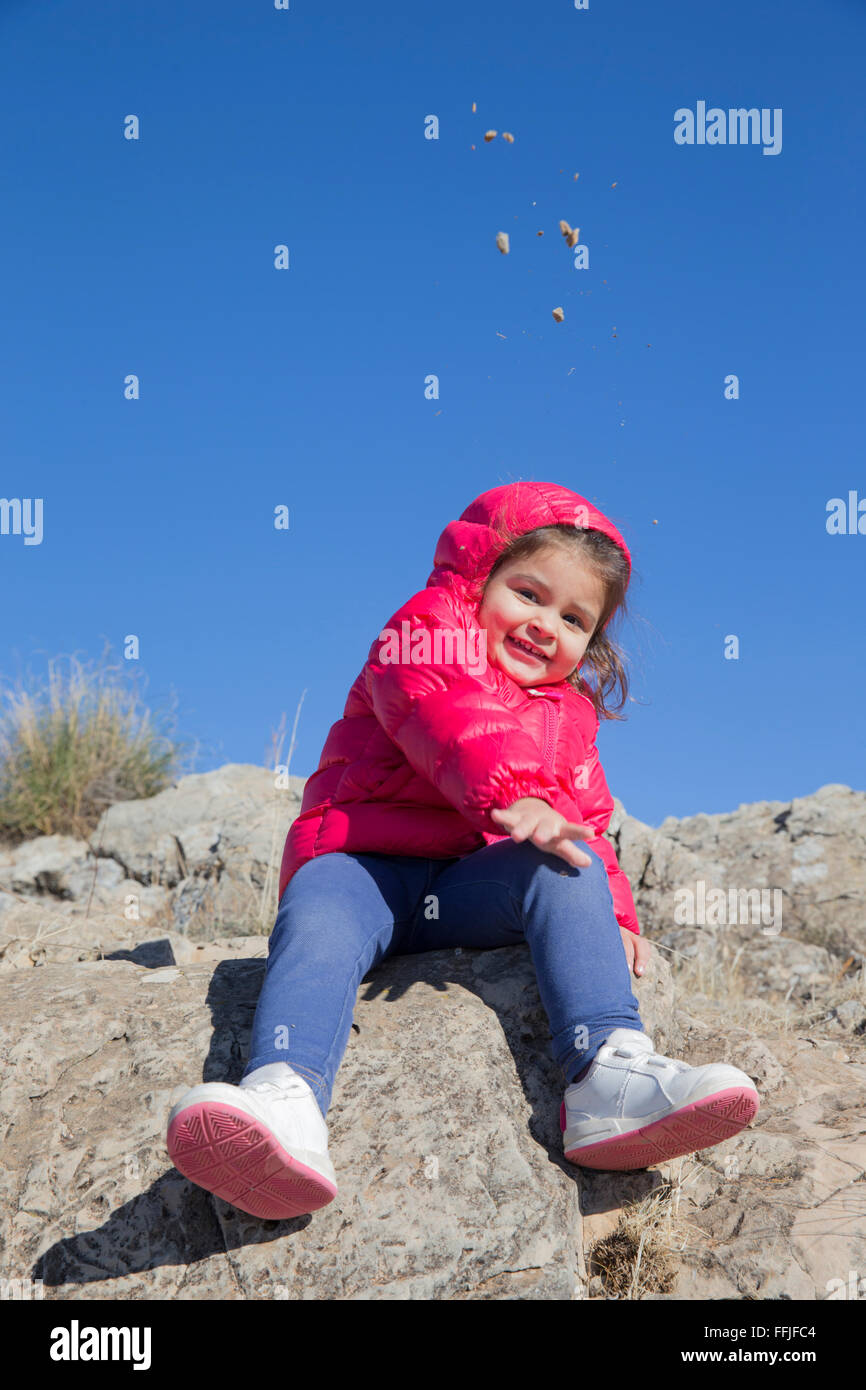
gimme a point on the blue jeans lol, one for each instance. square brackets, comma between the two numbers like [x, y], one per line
[342, 914]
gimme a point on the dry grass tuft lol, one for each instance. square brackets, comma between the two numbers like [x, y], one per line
[74, 746]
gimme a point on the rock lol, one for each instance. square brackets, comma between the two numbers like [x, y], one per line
[207, 851]
[8, 903]
[776, 1212]
[781, 1208]
[210, 848]
[849, 1016]
[812, 850]
[737, 1046]
[452, 1180]
[50, 864]
[779, 967]
[130, 966]
[226, 820]
[28, 939]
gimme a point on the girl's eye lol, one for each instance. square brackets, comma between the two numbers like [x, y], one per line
[531, 593]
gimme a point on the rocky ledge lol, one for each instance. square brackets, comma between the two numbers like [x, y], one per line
[130, 965]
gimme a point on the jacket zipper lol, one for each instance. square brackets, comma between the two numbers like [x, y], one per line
[549, 742]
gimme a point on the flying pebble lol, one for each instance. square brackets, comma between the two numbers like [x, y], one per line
[558, 314]
[572, 235]
[473, 108]
[539, 233]
[502, 242]
[490, 135]
[506, 135]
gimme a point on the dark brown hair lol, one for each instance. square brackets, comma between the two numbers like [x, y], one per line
[603, 657]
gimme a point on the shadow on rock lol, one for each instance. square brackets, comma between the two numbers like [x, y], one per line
[172, 1223]
[151, 954]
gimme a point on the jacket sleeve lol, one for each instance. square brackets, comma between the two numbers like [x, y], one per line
[596, 804]
[452, 726]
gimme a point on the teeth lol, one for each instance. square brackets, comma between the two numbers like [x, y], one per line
[526, 647]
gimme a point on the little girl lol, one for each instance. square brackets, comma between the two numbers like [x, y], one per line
[462, 772]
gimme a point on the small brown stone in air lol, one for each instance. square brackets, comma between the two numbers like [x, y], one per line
[490, 135]
[558, 314]
[572, 235]
[508, 137]
[473, 108]
[502, 242]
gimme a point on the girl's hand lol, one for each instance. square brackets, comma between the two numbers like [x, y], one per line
[531, 818]
[637, 950]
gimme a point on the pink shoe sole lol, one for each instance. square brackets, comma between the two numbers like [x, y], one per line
[708, 1121]
[228, 1153]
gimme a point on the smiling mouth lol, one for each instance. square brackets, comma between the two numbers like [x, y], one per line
[525, 649]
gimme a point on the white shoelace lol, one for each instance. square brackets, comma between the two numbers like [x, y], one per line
[653, 1059]
[290, 1089]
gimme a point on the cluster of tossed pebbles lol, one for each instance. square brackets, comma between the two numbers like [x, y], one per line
[571, 234]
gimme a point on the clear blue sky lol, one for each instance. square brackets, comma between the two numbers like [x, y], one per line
[306, 387]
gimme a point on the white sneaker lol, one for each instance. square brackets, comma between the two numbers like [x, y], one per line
[635, 1108]
[262, 1146]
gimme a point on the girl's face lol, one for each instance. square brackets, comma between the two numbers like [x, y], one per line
[551, 601]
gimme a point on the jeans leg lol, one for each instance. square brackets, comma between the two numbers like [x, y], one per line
[340, 915]
[507, 893]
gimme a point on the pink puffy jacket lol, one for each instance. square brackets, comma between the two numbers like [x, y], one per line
[424, 752]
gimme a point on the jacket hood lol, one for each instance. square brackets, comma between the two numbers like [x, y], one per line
[468, 548]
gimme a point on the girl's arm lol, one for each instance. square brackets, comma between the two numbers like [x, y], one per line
[450, 723]
[596, 809]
